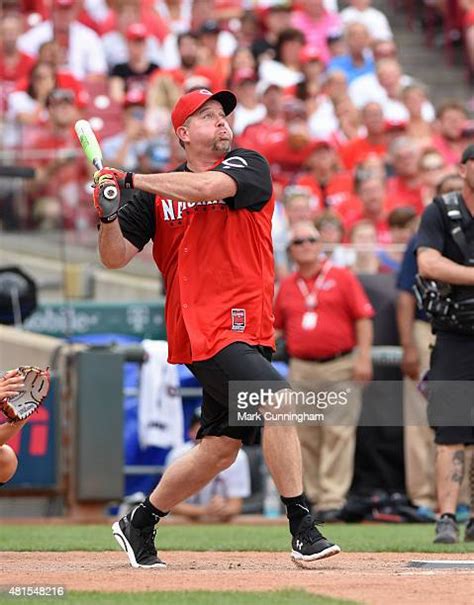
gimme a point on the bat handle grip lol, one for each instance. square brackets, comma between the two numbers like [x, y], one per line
[110, 191]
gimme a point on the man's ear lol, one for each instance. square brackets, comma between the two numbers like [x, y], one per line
[182, 133]
[462, 170]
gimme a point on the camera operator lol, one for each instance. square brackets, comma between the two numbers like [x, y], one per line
[445, 252]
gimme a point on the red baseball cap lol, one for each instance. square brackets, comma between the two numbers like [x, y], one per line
[135, 96]
[321, 144]
[192, 101]
[244, 74]
[310, 53]
[136, 31]
[395, 125]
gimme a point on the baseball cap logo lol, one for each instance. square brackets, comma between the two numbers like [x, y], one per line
[204, 91]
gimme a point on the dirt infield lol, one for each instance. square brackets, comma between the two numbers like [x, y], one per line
[365, 577]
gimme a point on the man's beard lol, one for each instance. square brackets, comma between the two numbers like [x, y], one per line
[188, 62]
[222, 145]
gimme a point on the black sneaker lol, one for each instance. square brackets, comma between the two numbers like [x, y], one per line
[309, 545]
[447, 531]
[139, 544]
[469, 531]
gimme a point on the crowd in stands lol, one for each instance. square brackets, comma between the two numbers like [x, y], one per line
[354, 143]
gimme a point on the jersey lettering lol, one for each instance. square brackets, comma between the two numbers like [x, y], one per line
[175, 213]
[168, 209]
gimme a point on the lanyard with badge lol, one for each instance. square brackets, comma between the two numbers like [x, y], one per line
[310, 316]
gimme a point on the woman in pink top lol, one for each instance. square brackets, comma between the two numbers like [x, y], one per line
[316, 23]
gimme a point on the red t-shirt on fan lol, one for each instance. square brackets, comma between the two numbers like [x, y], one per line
[340, 302]
[216, 258]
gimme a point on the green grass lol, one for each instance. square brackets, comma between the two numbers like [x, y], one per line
[282, 597]
[351, 538]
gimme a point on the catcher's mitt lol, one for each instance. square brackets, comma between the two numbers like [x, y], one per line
[30, 397]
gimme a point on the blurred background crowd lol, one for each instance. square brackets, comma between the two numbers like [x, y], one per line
[354, 143]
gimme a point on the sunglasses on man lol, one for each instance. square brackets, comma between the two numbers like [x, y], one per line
[302, 240]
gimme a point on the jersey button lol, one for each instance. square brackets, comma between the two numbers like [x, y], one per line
[185, 306]
[185, 278]
[186, 250]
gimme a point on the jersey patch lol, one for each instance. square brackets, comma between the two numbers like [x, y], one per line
[239, 320]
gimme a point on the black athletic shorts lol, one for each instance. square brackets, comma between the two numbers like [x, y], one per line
[451, 389]
[237, 361]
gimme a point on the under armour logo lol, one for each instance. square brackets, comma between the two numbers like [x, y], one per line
[299, 544]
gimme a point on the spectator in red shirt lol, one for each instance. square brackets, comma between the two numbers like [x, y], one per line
[323, 314]
[135, 73]
[288, 152]
[375, 141]
[370, 189]
[330, 186]
[258, 136]
[452, 137]
[61, 170]
[14, 64]
[405, 189]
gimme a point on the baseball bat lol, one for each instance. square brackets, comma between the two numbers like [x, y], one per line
[90, 146]
[89, 143]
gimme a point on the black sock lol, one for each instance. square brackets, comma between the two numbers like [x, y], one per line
[146, 515]
[448, 516]
[296, 509]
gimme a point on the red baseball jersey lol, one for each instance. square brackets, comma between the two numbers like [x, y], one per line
[216, 258]
[341, 301]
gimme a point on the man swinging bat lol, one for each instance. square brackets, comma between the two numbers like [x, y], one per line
[210, 223]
